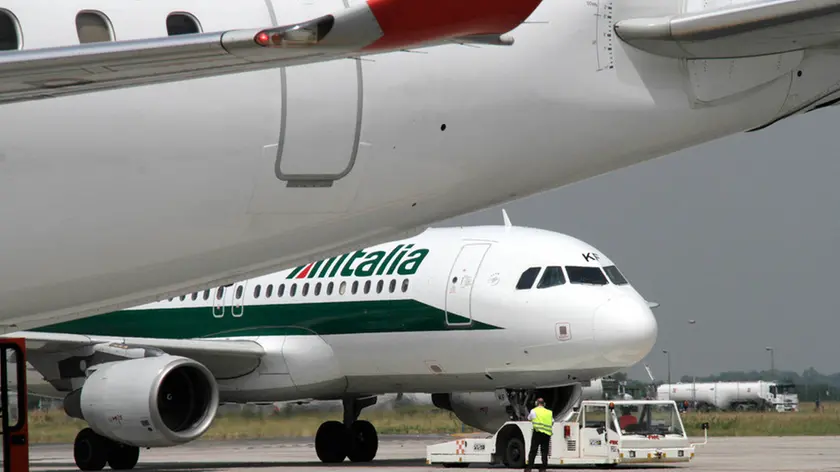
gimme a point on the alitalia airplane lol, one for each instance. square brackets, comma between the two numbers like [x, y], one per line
[513, 311]
[154, 148]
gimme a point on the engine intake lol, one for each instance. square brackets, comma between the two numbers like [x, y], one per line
[149, 402]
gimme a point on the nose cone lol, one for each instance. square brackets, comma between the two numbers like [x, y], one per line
[625, 329]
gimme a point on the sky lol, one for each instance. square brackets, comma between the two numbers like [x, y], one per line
[739, 234]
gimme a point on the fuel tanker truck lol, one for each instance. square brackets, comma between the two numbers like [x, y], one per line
[760, 395]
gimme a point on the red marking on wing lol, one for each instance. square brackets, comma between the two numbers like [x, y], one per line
[408, 22]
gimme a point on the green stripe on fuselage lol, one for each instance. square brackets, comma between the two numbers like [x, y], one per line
[326, 318]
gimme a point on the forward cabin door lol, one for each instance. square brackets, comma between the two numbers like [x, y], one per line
[460, 283]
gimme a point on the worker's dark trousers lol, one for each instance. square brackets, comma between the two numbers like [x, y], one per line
[538, 440]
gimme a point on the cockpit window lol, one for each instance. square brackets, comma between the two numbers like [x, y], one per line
[615, 275]
[551, 277]
[586, 275]
[528, 278]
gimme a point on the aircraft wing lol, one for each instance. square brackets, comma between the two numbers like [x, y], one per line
[748, 29]
[369, 27]
[225, 359]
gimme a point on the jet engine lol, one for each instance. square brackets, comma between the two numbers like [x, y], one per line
[488, 412]
[148, 402]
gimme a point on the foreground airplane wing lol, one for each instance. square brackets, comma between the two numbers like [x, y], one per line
[225, 359]
[370, 27]
[744, 30]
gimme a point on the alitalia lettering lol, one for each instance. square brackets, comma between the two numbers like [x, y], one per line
[397, 260]
[402, 260]
[347, 270]
[388, 259]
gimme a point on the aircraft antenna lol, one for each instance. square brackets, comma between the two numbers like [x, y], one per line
[505, 217]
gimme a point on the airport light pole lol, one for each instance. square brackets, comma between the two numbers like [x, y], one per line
[694, 379]
[772, 363]
[668, 355]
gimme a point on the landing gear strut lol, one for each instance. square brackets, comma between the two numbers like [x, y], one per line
[516, 402]
[353, 439]
[92, 452]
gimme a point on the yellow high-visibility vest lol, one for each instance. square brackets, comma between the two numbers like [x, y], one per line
[543, 420]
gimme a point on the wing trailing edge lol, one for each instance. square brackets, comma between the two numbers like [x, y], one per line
[742, 30]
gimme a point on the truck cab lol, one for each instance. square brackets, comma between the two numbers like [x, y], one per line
[783, 396]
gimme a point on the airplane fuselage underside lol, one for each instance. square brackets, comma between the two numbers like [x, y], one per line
[123, 197]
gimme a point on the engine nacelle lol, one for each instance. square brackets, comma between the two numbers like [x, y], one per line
[484, 410]
[149, 402]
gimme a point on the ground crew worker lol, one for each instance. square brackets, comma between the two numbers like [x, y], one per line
[543, 421]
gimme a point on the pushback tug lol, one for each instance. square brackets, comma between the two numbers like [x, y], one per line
[598, 432]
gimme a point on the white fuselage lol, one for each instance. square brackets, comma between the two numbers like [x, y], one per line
[123, 197]
[447, 310]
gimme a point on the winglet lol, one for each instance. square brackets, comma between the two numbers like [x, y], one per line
[505, 217]
[653, 304]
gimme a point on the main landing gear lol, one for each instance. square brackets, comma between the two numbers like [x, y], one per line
[353, 439]
[92, 451]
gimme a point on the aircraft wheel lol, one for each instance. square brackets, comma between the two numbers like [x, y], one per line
[515, 453]
[364, 441]
[90, 450]
[331, 442]
[123, 457]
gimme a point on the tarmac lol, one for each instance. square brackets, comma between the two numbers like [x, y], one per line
[766, 454]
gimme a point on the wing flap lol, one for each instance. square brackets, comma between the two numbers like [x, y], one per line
[744, 30]
[370, 27]
[60, 342]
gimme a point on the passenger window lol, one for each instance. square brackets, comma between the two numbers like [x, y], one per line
[527, 279]
[317, 289]
[586, 275]
[405, 285]
[220, 292]
[379, 286]
[392, 286]
[342, 288]
[305, 291]
[93, 27]
[257, 290]
[207, 294]
[552, 276]
[183, 297]
[269, 290]
[280, 290]
[355, 287]
[195, 296]
[10, 37]
[292, 290]
[181, 23]
[615, 275]
[329, 288]
[367, 286]
[239, 291]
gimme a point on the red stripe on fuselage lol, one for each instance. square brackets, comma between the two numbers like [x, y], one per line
[408, 22]
[305, 271]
